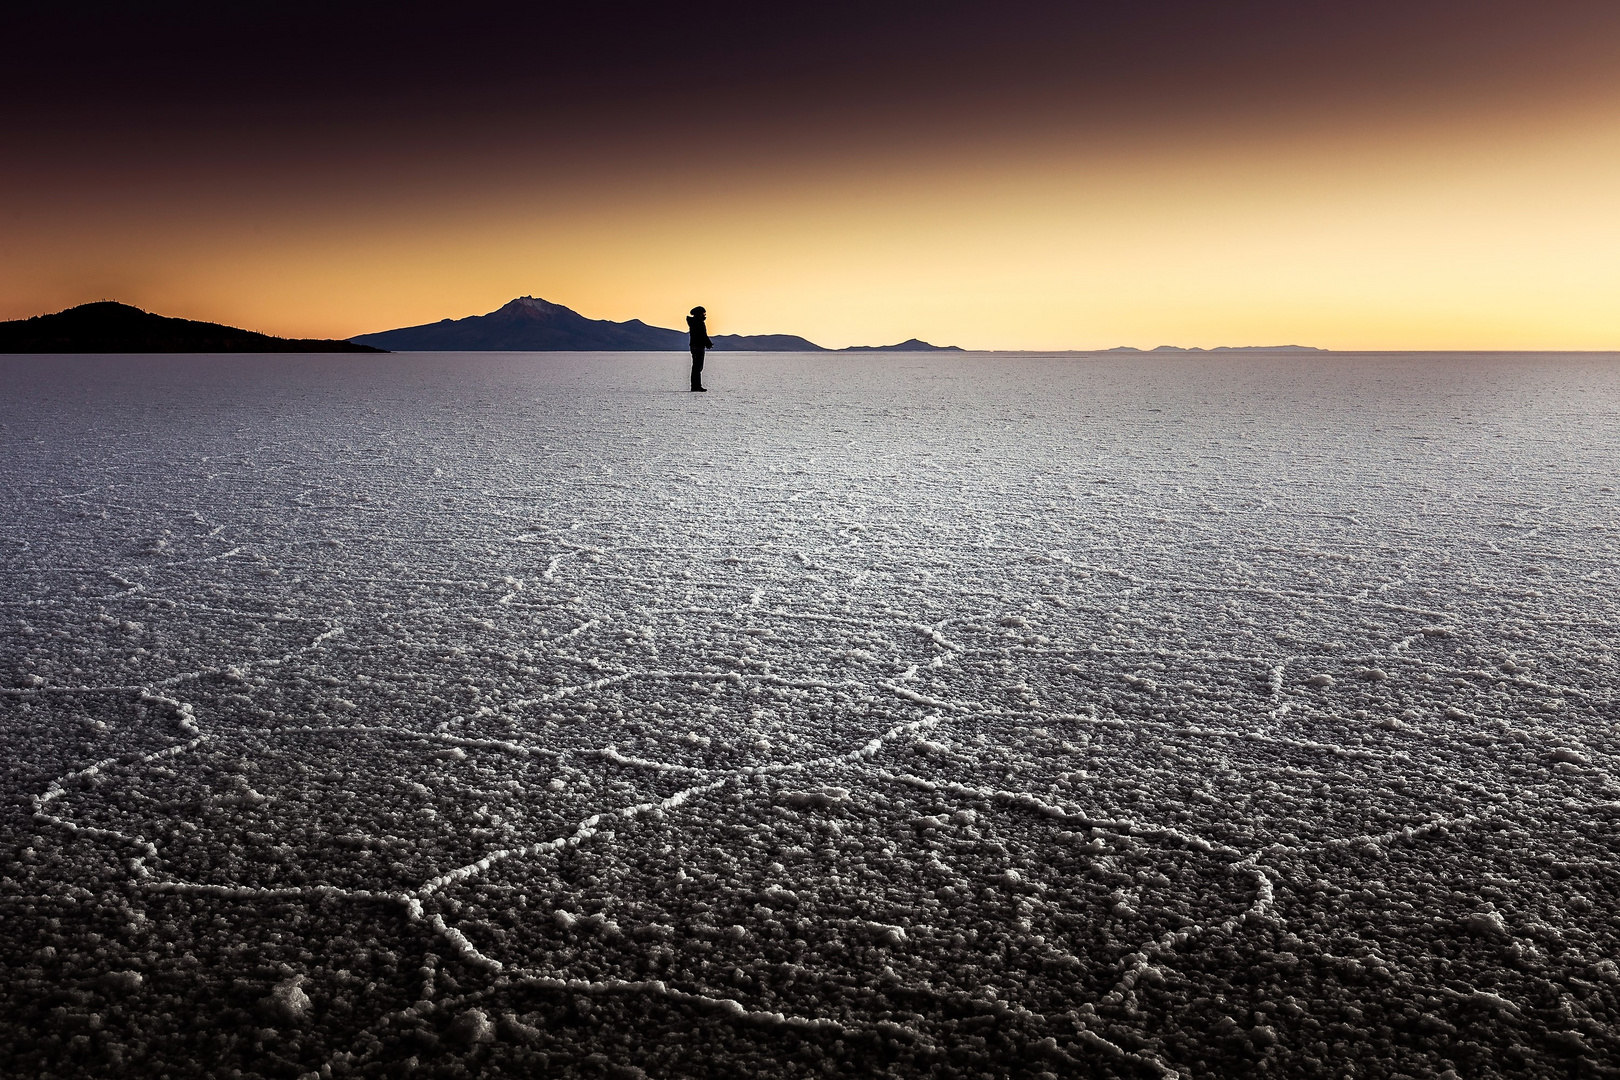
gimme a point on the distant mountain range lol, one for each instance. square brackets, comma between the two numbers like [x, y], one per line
[529, 324]
[106, 326]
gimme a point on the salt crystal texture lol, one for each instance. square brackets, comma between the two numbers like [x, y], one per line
[957, 716]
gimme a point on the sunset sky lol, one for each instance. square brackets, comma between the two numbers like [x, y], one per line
[1367, 175]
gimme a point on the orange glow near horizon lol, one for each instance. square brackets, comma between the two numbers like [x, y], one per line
[1458, 232]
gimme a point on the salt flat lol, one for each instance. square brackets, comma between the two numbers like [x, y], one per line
[513, 714]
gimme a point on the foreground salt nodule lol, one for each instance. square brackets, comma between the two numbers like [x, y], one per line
[973, 717]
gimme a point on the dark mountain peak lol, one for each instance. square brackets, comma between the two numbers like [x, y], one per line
[108, 326]
[534, 307]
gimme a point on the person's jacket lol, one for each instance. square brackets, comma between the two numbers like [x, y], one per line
[699, 332]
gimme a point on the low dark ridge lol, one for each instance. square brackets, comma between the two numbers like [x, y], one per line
[106, 326]
[909, 345]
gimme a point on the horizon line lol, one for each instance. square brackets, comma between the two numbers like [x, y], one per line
[1066, 351]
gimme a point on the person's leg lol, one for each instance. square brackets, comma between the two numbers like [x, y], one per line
[697, 369]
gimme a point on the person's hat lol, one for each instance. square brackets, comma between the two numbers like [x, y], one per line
[699, 310]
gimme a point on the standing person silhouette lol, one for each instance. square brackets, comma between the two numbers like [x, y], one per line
[700, 341]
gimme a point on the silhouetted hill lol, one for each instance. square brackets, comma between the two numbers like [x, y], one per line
[106, 326]
[909, 345]
[528, 324]
[763, 343]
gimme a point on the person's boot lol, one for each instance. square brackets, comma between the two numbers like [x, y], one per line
[700, 390]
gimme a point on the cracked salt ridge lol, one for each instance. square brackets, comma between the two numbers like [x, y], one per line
[590, 827]
[727, 1008]
[733, 1008]
[503, 745]
[56, 790]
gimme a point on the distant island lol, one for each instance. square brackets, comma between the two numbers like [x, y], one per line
[1220, 348]
[529, 324]
[910, 345]
[110, 327]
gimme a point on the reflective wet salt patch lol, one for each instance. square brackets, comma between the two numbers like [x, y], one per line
[414, 719]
